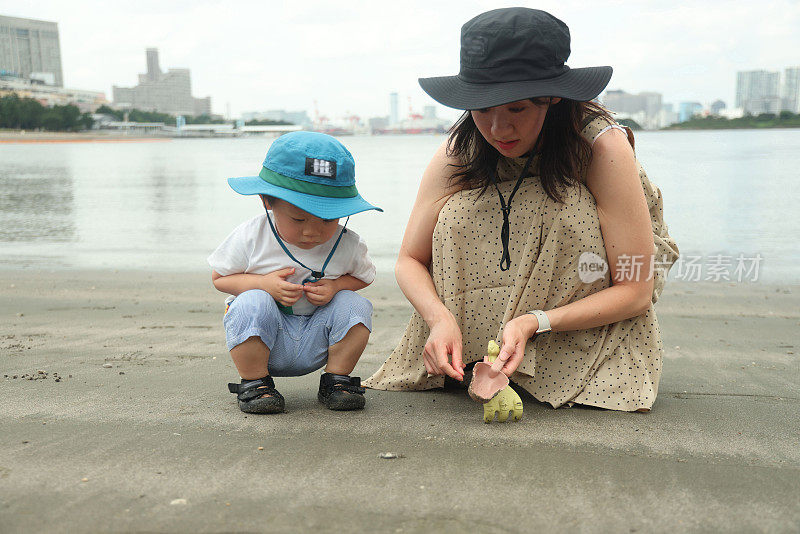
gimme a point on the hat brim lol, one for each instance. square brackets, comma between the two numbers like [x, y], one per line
[322, 207]
[581, 84]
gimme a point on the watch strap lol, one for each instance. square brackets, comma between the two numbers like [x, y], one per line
[544, 322]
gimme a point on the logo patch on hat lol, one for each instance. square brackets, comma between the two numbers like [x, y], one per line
[475, 46]
[320, 167]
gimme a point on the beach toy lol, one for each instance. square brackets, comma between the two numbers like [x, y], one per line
[505, 403]
[491, 388]
[486, 381]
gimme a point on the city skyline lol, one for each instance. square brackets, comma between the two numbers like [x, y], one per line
[349, 59]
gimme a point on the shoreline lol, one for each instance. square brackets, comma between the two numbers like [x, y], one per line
[750, 128]
[101, 136]
[9, 137]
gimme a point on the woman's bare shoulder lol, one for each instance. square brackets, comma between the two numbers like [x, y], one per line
[613, 167]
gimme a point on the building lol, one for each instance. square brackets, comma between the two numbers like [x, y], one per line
[667, 115]
[378, 123]
[687, 110]
[165, 92]
[202, 106]
[394, 118]
[791, 90]
[644, 108]
[300, 118]
[429, 112]
[29, 49]
[716, 107]
[757, 91]
[50, 95]
[731, 113]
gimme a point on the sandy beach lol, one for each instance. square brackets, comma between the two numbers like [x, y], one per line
[127, 425]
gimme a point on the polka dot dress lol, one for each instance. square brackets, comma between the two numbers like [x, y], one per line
[615, 366]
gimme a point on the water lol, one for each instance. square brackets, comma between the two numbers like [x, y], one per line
[166, 205]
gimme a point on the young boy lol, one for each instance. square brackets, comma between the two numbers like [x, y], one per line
[292, 276]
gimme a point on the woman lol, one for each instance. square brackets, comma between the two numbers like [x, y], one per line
[534, 220]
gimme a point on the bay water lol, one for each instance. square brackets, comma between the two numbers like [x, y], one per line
[165, 205]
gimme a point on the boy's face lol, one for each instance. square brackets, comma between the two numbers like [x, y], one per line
[299, 227]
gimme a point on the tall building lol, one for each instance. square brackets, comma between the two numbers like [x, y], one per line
[164, 92]
[29, 49]
[667, 114]
[153, 68]
[687, 110]
[716, 107]
[393, 109]
[644, 108]
[757, 91]
[791, 90]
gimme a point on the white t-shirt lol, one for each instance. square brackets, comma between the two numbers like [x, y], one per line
[252, 248]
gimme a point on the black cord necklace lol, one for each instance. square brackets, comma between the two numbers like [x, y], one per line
[505, 207]
[315, 275]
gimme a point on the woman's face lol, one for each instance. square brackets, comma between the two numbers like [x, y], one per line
[513, 128]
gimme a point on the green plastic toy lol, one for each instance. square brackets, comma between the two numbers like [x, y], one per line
[506, 402]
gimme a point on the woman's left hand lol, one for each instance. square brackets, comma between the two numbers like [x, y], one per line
[515, 336]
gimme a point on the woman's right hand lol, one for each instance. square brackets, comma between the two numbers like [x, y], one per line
[442, 354]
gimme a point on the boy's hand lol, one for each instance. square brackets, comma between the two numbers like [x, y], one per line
[321, 292]
[283, 292]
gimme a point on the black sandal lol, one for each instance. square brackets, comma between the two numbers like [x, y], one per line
[249, 393]
[341, 392]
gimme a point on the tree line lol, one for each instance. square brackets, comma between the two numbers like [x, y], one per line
[18, 113]
[784, 119]
[28, 114]
[137, 115]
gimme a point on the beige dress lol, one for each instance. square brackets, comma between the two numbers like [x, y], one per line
[615, 366]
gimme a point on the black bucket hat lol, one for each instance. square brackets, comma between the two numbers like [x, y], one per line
[512, 54]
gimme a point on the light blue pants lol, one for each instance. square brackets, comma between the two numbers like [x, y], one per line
[298, 344]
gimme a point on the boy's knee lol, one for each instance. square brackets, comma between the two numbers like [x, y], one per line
[348, 310]
[254, 302]
[353, 301]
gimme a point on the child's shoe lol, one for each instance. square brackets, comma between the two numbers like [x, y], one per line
[250, 395]
[341, 392]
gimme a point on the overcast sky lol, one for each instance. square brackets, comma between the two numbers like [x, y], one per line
[348, 56]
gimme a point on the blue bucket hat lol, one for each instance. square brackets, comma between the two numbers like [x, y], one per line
[311, 170]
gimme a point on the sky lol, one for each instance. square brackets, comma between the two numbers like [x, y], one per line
[347, 56]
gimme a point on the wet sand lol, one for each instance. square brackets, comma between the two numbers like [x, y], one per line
[140, 434]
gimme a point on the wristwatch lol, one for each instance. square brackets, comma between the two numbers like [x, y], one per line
[544, 322]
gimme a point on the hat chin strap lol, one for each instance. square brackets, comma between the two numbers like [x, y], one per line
[505, 207]
[316, 276]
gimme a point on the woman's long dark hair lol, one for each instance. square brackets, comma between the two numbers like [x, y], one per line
[564, 153]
